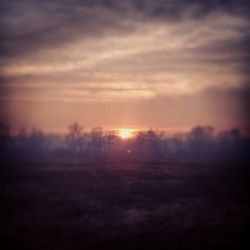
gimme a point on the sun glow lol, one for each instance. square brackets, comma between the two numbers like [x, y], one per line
[125, 133]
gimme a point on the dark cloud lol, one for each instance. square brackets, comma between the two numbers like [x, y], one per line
[30, 25]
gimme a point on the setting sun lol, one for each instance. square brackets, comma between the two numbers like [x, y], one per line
[125, 133]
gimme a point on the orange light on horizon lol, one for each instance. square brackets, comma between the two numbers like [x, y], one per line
[125, 133]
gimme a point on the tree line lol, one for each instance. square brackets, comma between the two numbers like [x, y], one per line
[201, 142]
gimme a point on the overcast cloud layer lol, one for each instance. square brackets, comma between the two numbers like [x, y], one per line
[146, 63]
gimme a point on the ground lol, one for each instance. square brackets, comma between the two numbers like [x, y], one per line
[120, 205]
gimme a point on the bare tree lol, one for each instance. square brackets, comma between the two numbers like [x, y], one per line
[109, 140]
[96, 142]
[74, 137]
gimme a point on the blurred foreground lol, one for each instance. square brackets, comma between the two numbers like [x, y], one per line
[123, 205]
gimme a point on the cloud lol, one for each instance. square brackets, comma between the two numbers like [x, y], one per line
[115, 52]
[31, 25]
[170, 58]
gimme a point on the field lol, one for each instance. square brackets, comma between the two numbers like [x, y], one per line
[121, 205]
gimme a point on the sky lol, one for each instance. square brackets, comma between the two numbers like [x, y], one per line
[124, 63]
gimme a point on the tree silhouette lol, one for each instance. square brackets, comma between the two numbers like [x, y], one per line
[74, 137]
[109, 140]
[96, 143]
